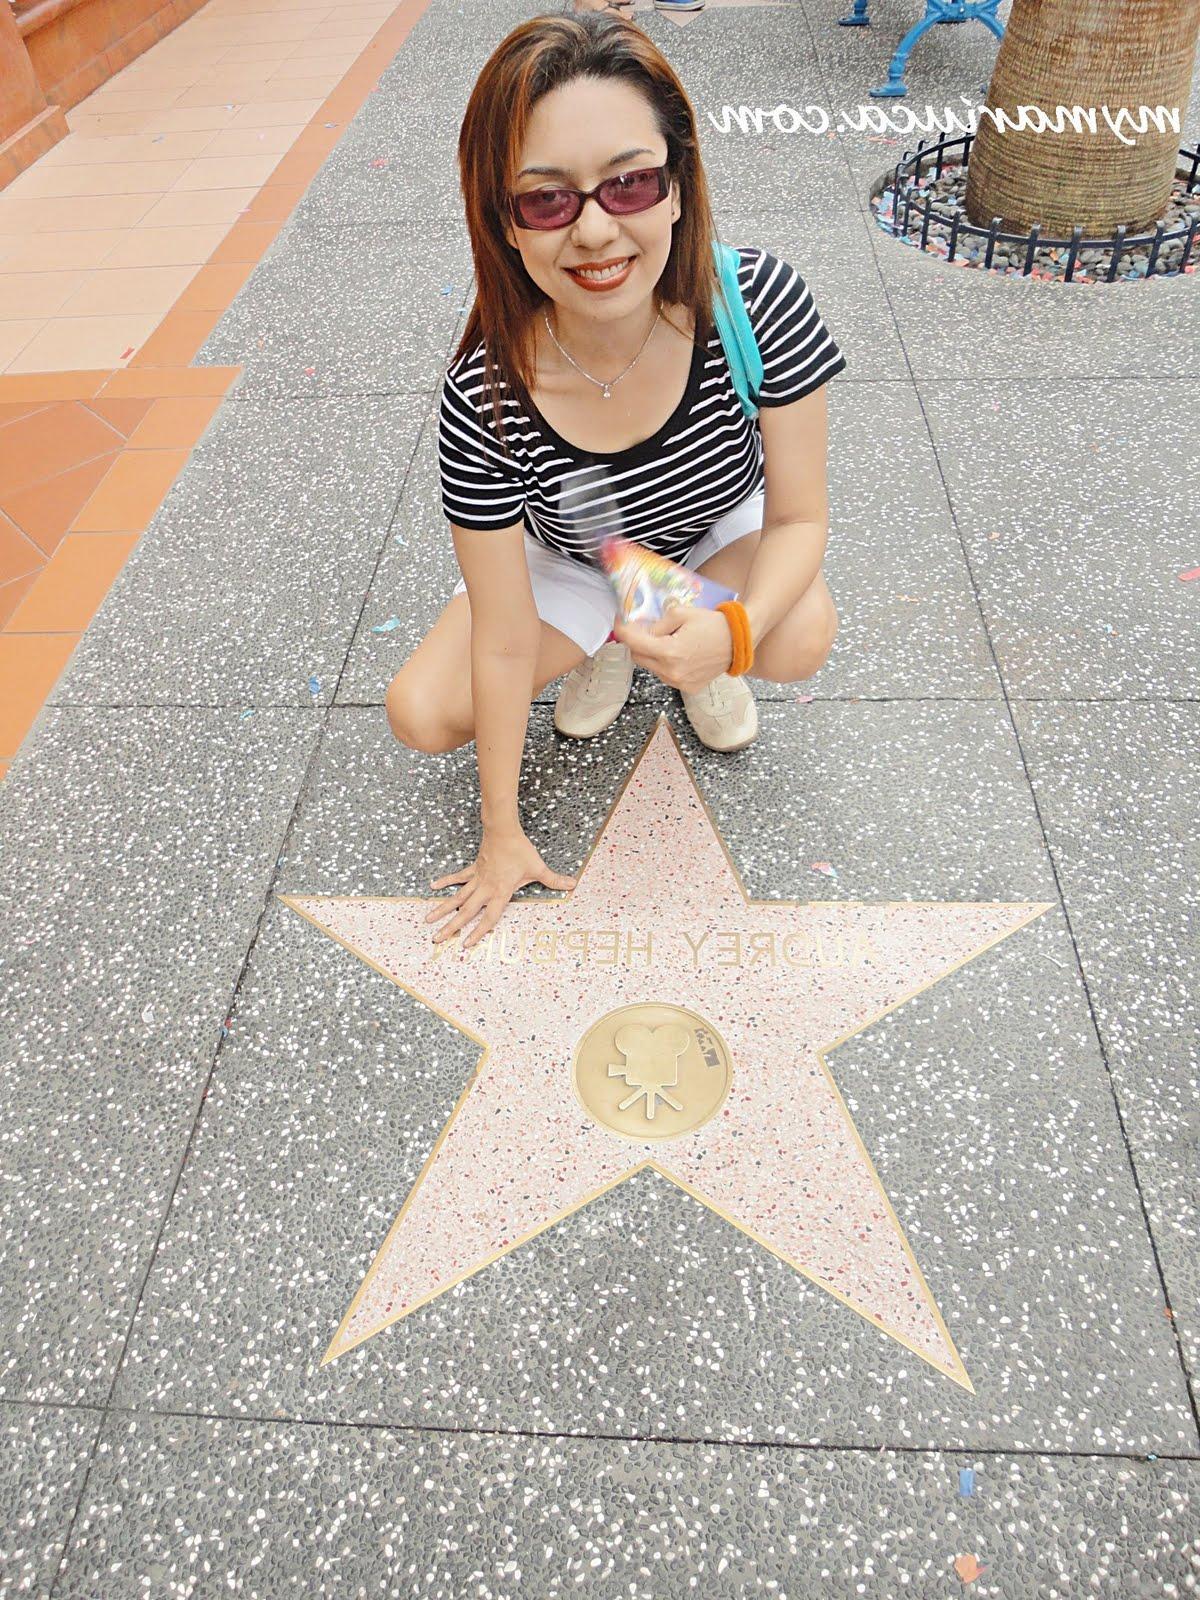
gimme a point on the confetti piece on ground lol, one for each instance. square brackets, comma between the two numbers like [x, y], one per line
[125, 354]
[308, 371]
[827, 867]
[1190, 575]
[244, 715]
[148, 1014]
[331, 124]
[380, 161]
[968, 1568]
[449, 289]
[158, 138]
[386, 627]
[314, 685]
[1152, 1457]
[966, 1481]
[805, 699]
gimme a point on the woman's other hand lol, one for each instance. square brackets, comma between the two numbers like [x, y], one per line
[505, 862]
[687, 648]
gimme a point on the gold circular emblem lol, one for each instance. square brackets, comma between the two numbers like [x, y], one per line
[651, 1071]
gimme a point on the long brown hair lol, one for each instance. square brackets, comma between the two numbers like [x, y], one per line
[536, 57]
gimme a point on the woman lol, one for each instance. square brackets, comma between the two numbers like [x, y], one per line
[590, 388]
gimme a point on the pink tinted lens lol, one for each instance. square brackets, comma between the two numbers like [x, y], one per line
[548, 208]
[632, 191]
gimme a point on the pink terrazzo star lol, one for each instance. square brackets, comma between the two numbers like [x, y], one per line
[782, 982]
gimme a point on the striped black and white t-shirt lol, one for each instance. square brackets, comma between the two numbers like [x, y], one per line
[668, 490]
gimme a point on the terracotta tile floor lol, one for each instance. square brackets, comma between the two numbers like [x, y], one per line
[178, 143]
[119, 250]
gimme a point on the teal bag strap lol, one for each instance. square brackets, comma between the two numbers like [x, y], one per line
[735, 329]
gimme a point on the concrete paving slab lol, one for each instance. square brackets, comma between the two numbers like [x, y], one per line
[984, 1104]
[757, 163]
[42, 1465]
[416, 574]
[250, 580]
[137, 854]
[959, 324]
[397, 165]
[325, 1510]
[1116, 787]
[728, 48]
[444, 53]
[1077, 551]
[343, 311]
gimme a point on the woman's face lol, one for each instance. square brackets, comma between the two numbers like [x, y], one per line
[579, 129]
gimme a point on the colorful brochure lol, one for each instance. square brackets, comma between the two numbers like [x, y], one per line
[646, 583]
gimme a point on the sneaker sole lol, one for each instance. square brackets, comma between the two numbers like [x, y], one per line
[572, 733]
[728, 749]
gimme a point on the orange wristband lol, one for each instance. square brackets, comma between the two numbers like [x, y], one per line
[734, 613]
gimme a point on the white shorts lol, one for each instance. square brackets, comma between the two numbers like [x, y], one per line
[579, 601]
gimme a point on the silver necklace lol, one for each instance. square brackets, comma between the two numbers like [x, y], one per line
[606, 388]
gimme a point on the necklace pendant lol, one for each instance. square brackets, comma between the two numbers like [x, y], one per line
[606, 393]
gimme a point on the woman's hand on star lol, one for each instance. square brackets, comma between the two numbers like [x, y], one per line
[687, 648]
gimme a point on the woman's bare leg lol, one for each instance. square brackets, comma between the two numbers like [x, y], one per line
[429, 700]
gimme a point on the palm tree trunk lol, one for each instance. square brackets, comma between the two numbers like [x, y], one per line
[1087, 53]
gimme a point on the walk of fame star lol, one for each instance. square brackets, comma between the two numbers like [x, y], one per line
[655, 1016]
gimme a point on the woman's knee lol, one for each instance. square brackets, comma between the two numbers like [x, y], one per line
[418, 721]
[800, 645]
[819, 644]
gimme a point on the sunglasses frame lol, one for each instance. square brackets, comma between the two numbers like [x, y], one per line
[584, 195]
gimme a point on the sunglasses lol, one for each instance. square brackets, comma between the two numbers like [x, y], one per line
[621, 196]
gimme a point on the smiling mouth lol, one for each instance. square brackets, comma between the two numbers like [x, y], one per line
[592, 275]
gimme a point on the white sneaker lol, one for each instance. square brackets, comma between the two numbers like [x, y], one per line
[594, 692]
[723, 715]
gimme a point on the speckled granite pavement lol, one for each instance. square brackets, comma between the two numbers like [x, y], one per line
[214, 1113]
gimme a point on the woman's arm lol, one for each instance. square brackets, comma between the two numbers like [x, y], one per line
[796, 511]
[505, 634]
